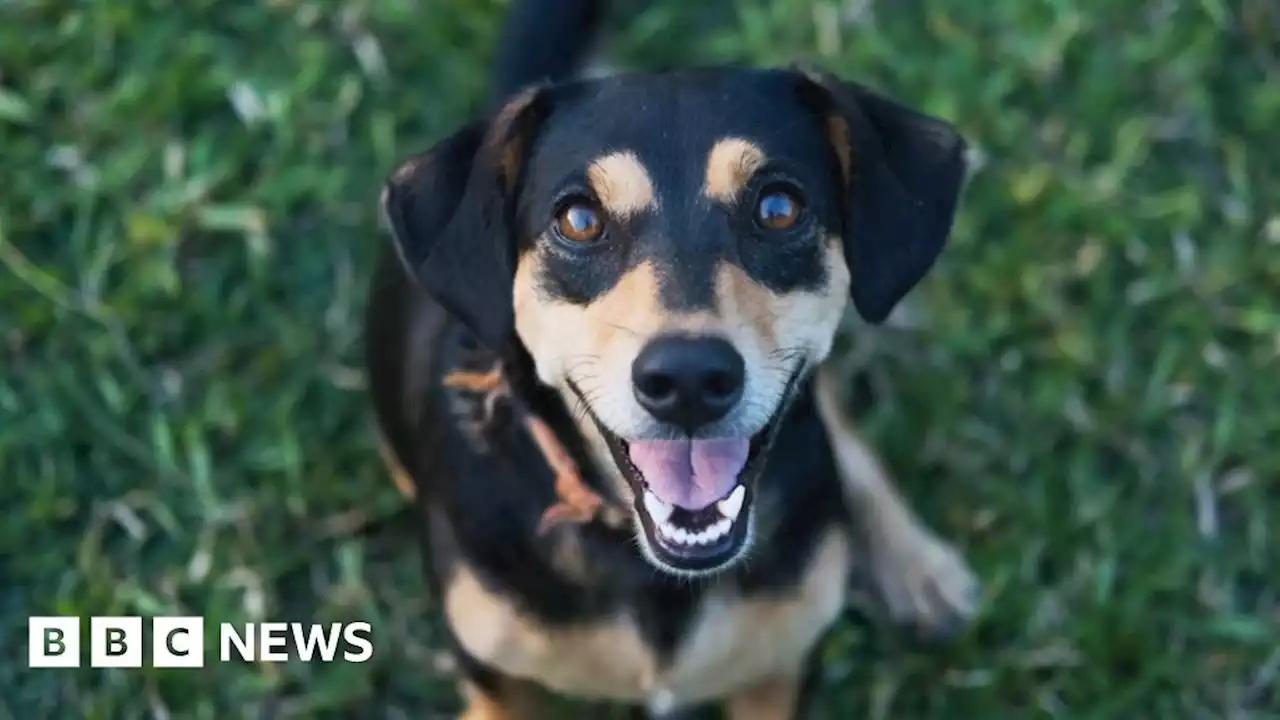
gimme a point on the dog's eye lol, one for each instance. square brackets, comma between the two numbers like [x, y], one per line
[777, 210]
[579, 222]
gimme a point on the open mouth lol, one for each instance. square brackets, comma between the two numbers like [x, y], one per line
[697, 531]
[694, 497]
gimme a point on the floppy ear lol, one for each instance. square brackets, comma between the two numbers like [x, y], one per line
[903, 173]
[449, 214]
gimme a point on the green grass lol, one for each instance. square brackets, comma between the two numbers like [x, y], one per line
[1086, 397]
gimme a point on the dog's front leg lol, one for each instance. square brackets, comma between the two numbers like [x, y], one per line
[921, 579]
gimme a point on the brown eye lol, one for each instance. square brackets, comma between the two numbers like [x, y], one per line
[579, 222]
[777, 210]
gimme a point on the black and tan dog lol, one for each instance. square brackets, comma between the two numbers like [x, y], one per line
[595, 353]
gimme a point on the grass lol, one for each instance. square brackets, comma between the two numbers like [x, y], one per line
[1085, 395]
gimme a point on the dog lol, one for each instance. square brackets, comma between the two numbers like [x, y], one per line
[595, 346]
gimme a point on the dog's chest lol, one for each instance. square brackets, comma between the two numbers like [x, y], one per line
[730, 643]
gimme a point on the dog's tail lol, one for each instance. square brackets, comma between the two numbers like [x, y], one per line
[544, 41]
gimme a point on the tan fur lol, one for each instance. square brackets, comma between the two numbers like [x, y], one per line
[838, 136]
[631, 309]
[578, 503]
[405, 173]
[622, 184]
[399, 476]
[773, 699]
[503, 143]
[733, 643]
[603, 659]
[730, 165]
[838, 132]
[504, 138]
[792, 320]
[738, 642]
[921, 579]
[619, 323]
[595, 345]
[515, 701]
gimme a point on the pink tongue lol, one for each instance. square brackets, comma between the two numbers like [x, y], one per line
[690, 474]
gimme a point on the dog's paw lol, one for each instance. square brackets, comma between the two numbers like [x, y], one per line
[924, 583]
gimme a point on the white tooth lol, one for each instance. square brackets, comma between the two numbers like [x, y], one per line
[668, 529]
[732, 505]
[681, 536]
[720, 529]
[657, 509]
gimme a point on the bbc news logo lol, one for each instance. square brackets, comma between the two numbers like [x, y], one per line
[179, 642]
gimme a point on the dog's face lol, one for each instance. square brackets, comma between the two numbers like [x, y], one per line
[683, 268]
[675, 252]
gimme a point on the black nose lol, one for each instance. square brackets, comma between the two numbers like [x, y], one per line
[688, 381]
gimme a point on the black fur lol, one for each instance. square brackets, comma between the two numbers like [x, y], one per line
[483, 508]
[444, 218]
[459, 223]
[544, 41]
[691, 235]
[908, 170]
[459, 219]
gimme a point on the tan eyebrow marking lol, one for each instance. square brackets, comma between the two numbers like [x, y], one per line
[622, 183]
[730, 165]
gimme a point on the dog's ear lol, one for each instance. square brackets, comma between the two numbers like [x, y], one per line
[450, 215]
[903, 172]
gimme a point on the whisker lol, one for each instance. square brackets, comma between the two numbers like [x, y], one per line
[617, 326]
[787, 353]
[576, 361]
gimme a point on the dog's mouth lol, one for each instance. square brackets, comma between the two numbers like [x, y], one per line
[693, 498]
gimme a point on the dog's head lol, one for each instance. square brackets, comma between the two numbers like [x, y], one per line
[675, 252]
